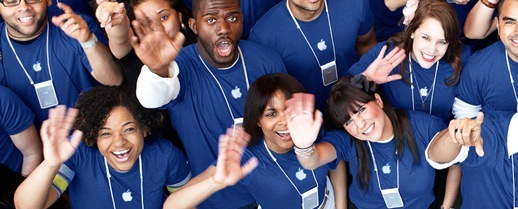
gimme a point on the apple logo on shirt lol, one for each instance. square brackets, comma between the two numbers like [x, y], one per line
[36, 66]
[386, 169]
[322, 45]
[126, 196]
[300, 174]
[236, 93]
[424, 91]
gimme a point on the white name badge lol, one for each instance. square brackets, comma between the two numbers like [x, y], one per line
[392, 198]
[310, 198]
[329, 73]
[238, 122]
[46, 94]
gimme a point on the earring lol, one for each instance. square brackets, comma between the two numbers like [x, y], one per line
[182, 26]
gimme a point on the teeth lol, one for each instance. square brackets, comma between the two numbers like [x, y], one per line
[25, 19]
[283, 132]
[369, 130]
[121, 152]
[428, 56]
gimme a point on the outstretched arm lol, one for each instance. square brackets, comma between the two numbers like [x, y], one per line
[112, 17]
[227, 172]
[29, 144]
[36, 191]
[104, 69]
[480, 22]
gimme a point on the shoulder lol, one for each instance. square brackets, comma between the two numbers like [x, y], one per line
[275, 15]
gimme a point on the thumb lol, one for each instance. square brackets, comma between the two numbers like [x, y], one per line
[478, 147]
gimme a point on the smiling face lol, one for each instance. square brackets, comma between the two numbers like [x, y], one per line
[429, 44]
[369, 122]
[219, 24]
[507, 28]
[121, 140]
[169, 17]
[25, 21]
[273, 125]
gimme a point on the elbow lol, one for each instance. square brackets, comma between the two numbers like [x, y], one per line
[391, 5]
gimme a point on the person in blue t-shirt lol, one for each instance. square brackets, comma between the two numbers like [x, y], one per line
[317, 40]
[384, 147]
[47, 64]
[119, 164]
[20, 144]
[487, 80]
[487, 148]
[203, 86]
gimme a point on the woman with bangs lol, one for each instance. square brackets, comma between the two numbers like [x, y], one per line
[385, 147]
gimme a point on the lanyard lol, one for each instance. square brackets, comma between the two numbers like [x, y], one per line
[141, 181]
[20, 62]
[304, 35]
[376, 167]
[432, 90]
[219, 84]
[512, 80]
[275, 160]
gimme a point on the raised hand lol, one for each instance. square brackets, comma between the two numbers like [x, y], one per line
[110, 14]
[467, 132]
[57, 147]
[72, 24]
[231, 148]
[152, 44]
[303, 121]
[379, 70]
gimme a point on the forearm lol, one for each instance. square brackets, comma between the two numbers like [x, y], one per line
[452, 186]
[29, 144]
[365, 42]
[192, 195]
[324, 153]
[30, 162]
[393, 5]
[35, 191]
[104, 69]
[442, 149]
[479, 22]
[339, 180]
[119, 39]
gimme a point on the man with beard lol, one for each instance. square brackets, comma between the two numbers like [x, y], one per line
[203, 86]
[487, 81]
[48, 64]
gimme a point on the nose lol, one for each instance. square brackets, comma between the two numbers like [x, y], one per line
[224, 28]
[358, 121]
[119, 140]
[282, 119]
[23, 5]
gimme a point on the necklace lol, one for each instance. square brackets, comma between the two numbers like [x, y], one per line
[427, 93]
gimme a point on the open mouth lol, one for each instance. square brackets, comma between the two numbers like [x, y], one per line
[369, 129]
[25, 19]
[122, 155]
[428, 58]
[224, 48]
[285, 135]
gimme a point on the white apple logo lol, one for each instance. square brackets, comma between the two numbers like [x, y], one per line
[300, 174]
[236, 93]
[424, 91]
[386, 169]
[36, 67]
[126, 196]
[322, 45]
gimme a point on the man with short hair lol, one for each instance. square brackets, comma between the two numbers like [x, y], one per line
[203, 86]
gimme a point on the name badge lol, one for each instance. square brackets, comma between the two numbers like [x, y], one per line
[46, 94]
[238, 122]
[392, 198]
[329, 73]
[310, 198]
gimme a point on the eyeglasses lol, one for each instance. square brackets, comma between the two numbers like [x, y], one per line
[13, 3]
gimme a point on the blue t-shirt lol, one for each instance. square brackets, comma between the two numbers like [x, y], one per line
[85, 175]
[487, 181]
[200, 114]
[414, 195]
[386, 22]
[399, 93]
[14, 118]
[252, 11]
[69, 66]
[269, 185]
[485, 80]
[348, 20]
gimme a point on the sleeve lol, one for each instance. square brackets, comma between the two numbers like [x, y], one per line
[367, 59]
[468, 97]
[343, 145]
[512, 136]
[67, 170]
[463, 154]
[154, 91]
[178, 170]
[15, 116]
[367, 18]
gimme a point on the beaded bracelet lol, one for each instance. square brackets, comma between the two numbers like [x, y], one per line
[304, 152]
[489, 4]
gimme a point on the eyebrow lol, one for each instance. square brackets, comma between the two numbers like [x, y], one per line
[125, 124]
[163, 10]
[508, 19]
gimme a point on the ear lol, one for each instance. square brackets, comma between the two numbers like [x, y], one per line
[496, 21]
[259, 125]
[378, 100]
[192, 25]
